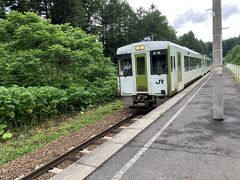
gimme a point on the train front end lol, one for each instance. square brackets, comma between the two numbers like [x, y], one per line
[143, 74]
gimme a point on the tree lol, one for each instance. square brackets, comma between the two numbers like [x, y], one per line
[229, 44]
[2, 9]
[209, 48]
[233, 56]
[154, 23]
[91, 9]
[189, 40]
[41, 7]
[152, 8]
[141, 12]
[67, 11]
[114, 21]
[35, 52]
[19, 5]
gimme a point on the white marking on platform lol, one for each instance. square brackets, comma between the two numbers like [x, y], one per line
[134, 159]
[55, 170]
[107, 137]
[85, 151]
[135, 119]
[123, 127]
[86, 165]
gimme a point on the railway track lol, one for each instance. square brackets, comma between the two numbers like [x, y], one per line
[72, 155]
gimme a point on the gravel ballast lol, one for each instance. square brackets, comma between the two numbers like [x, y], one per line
[29, 162]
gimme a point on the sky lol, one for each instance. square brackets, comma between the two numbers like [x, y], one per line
[194, 15]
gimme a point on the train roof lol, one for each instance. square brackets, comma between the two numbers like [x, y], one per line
[151, 45]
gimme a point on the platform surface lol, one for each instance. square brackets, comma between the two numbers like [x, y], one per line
[193, 146]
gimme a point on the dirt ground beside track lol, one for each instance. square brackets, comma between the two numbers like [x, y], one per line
[29, 162]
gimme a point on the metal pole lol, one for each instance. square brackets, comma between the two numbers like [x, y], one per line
[218, 111]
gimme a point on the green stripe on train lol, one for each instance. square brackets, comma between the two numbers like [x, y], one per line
[141, 77]
[169, 73]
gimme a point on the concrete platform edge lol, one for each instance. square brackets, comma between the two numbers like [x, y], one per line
[89, 163]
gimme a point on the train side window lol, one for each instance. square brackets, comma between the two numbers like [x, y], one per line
[174, 62]
[171, 64]
[125, 67]
[186, 63]
[159, 64]
[191, 63]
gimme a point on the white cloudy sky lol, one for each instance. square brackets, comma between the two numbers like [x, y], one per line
[186, 15]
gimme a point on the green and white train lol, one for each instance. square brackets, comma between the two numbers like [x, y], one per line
[152, 71]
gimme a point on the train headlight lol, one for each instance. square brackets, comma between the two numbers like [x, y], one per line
[141, 47]
[137, 48]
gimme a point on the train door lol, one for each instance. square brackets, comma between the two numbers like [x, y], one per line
[179, 62]
[141, 73]
[126, 79]
[174, 73]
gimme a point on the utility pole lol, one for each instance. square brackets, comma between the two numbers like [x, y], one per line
[218, 111]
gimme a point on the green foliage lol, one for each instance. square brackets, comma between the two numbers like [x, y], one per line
[38, 136]
[37, 53]
[41, 7]
[233, 56]
[3, 134]
[228, 44]
[114, 21]
[7, 136]
[48, 69]
[70, 11]
[25, 106]
[2, 129]
[156, 24]
[189, 40]
[2, 10]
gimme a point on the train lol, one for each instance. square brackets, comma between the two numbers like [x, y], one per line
[152, 71]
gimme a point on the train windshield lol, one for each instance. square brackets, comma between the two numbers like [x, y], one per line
[159, 63]
[125, 65]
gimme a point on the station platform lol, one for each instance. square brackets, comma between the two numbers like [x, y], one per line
[185, 142]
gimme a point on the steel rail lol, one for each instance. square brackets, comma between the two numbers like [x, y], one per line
[51, 164]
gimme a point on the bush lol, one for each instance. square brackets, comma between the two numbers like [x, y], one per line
[19, 105]
[24, 106]
[48, 69]
[233, 56]
[35, 52]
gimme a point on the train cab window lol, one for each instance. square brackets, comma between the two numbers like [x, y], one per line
[159, 64]
[125, 65]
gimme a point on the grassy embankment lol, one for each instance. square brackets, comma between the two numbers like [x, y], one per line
[30, 140]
